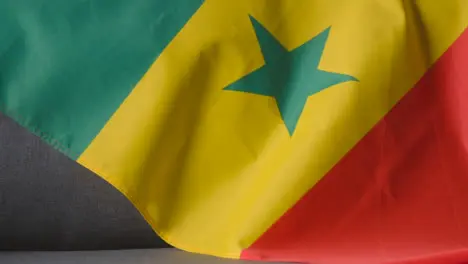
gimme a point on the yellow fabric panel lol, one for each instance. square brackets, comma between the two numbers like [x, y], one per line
[211, 170]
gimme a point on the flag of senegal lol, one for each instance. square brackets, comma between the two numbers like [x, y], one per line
[319, 131]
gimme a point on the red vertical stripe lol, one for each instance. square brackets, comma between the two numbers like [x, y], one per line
[401, 194]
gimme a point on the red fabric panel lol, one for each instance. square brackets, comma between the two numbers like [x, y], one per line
[401, 194]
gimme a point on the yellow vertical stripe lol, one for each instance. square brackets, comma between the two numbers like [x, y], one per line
[212, 170]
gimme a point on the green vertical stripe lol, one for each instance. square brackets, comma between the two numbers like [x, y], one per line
[67, 65]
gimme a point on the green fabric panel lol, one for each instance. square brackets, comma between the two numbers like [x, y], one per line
[67, 65]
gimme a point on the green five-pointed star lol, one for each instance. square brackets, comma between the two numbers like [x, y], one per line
[289, 76]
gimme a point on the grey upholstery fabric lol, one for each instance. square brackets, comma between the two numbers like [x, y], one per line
[149, 256]
[48, 202]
